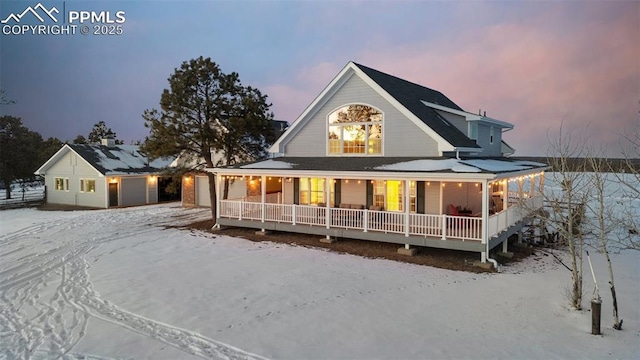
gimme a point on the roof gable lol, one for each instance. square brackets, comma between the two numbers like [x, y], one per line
[406, 96]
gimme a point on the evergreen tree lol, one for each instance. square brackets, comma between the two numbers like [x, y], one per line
[19, 152]
[80, 140]
[205, 112]
[101, 131]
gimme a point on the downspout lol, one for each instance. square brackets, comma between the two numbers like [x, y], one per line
[493, 261]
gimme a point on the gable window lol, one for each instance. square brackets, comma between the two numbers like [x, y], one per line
[355, 129]
[491, 135]
[61, 184]
[88, 185]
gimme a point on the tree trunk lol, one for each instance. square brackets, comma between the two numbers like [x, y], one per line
[8, 191]
[212, 194]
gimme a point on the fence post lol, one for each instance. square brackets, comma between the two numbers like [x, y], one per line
[240, 212]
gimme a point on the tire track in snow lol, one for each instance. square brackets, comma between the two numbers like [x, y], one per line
[29, 322]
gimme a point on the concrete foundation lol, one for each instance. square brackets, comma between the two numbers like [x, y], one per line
[505, 254]
[407, 252]
[263, 233]
[328, 240]
[485, 265]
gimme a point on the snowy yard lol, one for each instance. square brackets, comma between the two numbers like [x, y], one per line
[120, 284]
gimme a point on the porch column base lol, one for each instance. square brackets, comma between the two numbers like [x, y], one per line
[483, 265]
[328, 240]
[520, 237]
[505, 244]
[407, 252]
[262, 232]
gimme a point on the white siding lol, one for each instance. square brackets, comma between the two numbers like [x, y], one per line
[353, 193]
[74, 168]
[153, 191]
[401, 136]
[432, 194]
[287, 189]
[202, 191]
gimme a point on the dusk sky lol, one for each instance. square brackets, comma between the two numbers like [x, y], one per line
[534, 64]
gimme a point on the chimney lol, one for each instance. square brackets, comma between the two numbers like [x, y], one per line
[485, 114]
[109, 142]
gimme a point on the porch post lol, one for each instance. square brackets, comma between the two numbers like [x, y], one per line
[218, 183]
[327, 201]
[485, 220]
[263, 191]
[505, 191]
[407, 206]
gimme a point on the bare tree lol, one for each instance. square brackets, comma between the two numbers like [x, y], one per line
[563, 216]
[601, 182]
[629, 181]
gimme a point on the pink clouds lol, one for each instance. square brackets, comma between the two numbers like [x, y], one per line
[577, 64]
[290, 100]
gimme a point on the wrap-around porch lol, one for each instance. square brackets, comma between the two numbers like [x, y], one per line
[454, 214]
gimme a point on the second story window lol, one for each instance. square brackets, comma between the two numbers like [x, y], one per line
[355, 129]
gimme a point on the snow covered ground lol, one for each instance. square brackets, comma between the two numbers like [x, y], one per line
[119, 283]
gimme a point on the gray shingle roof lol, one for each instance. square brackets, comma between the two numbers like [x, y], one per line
[121, 159]
[410, 95]
[392, 164]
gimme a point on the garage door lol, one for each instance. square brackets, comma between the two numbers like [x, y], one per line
[133, 191]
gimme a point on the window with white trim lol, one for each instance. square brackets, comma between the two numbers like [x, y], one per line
[312, 191]
[61, 184]
[389, 194]
[355, 129]
[87, 185]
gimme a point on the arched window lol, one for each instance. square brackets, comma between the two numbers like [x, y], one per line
[355, 129]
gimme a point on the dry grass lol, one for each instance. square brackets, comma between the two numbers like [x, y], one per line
[439, 258]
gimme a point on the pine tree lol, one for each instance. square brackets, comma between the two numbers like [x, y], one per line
[206, 112]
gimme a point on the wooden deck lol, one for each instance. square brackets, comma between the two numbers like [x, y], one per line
[440, 231]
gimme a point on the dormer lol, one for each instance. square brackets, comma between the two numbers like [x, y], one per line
[484, 130]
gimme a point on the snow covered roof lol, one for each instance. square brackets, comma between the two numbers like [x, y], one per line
[118, 160]
[395, 164]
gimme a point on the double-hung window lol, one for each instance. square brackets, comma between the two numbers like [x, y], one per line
[61, 184]
[87, 185]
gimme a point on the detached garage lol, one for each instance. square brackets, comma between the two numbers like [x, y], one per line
[101, 176]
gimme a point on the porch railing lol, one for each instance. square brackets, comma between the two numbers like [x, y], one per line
[442, 226]
[512, 214]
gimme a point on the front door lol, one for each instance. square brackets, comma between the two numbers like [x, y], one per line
[113, 194]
